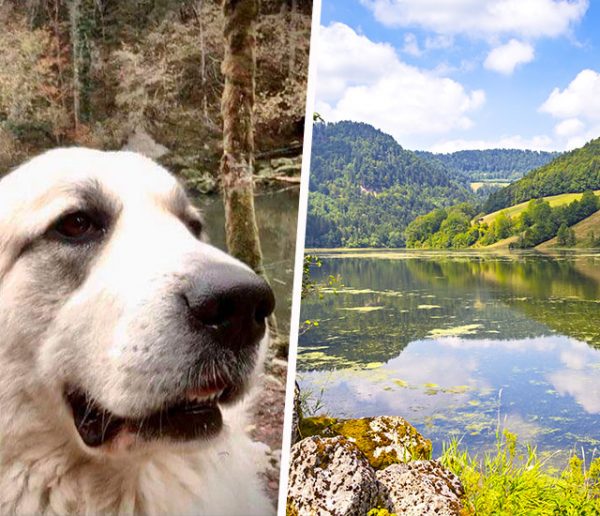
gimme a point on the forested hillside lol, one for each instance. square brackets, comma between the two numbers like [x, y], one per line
[365, 188]
[574, 171]
[492, 164]
[532, 223]
[99, 73]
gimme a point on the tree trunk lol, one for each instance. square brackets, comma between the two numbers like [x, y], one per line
[293, 34]
[237, 162]
[81, 20]
[203, 62]
[74, 18]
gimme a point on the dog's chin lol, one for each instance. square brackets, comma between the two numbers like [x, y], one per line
[193, 416]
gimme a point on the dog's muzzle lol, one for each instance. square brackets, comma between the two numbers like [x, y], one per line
[227, 308]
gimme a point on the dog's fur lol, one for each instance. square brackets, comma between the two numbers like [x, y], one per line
[102, 316]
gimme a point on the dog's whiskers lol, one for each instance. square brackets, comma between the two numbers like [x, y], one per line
[88, 411]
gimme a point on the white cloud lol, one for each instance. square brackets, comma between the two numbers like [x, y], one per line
[411, 45]
[365, 81]
[581, 98]
[569, 127]
[578, 379]
[489, 18]
[577, 108]
[438, 41]
[507, 57]
[581, 386]
[346, 59]
[540, 142]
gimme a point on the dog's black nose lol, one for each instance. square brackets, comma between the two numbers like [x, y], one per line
[232, 302]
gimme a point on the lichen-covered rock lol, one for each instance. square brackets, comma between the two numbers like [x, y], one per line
[330, 476]
[421, 488]
[384, 440]
[140, 141]
[278, 167]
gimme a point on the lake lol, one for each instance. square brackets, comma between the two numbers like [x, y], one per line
[276, 214]
[460, 345]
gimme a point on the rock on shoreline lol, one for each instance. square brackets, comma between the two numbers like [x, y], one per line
[347, 467]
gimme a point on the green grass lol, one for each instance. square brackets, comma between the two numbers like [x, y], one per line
[513, 480]
[476, 185]
[553, 200]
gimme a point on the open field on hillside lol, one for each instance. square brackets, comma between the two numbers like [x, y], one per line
[553, 200]
[476, 185]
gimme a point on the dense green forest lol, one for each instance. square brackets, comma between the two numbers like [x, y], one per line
[109, 73]
[453, 227]
[492, 164]
[365, 188]
[574, 171]
[367, 191]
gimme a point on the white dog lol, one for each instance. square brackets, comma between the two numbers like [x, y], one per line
[125, 343]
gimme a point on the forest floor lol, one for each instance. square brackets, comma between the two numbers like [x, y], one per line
[268, 414]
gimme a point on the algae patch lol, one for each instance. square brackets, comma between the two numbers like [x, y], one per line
[467, 329]
[365, 309]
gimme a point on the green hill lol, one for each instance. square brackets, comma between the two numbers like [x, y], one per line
[365, 188]
[587, 234]
[574, 171]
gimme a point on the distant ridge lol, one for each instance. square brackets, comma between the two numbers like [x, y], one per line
[491, 164]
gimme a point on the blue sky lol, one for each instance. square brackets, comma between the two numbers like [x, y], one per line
[445, 75]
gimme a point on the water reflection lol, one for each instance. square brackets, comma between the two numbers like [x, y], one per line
[276, 214]
[461, 344]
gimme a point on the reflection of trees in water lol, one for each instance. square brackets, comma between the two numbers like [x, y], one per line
[276, 215]
[503, 297]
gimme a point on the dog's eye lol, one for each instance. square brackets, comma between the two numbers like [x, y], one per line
[196, 227]
[76, 226]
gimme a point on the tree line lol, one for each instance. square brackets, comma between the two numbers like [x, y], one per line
[458, 227]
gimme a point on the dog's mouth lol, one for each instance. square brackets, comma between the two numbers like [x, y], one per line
[195, 415]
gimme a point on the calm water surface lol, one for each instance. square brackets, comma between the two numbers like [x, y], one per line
[276, 214]
[460, 344]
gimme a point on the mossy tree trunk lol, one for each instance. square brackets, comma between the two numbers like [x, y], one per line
[74, 19]
[203, 63]
[237, 162]
[81, 21]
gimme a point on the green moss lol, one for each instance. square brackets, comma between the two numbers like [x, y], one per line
[383, 441]
[378, 511]
[321, 426]
[290, 509]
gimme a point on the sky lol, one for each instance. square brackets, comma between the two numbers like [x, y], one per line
[446, 75]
